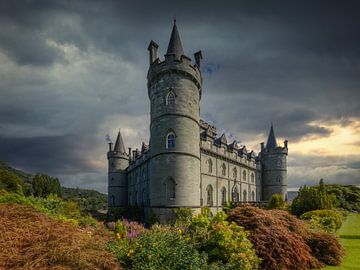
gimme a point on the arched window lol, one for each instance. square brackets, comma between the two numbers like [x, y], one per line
[170, 98]
[235, 194]
[210, 165]
[253, 196]
[244, 196]
[209, 197]
[234, 173]
[279, 179]
[170, 189]
[223, 169]
[223, 196]
[244, 175]
[252, 177]
[112, 200]
[170, 140]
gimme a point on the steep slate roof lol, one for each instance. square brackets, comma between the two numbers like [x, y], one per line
[271, 142]
[119, 144]
[175, 46]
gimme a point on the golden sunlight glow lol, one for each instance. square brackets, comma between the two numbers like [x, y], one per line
[343, 140]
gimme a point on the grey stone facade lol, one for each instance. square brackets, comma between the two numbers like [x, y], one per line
[185, 163]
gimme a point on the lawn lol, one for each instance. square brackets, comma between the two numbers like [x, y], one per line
[350, 229]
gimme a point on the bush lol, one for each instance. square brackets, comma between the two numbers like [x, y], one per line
[225, 243]
[43, 185]
[160, 248]
[10, 182]
[328, 220]
[277, 238]
[276, 202]
[325, 247]
[132, 229]
[182, 216]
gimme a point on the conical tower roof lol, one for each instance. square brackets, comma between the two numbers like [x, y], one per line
[119, 144]
[271, 142]
[175, 46]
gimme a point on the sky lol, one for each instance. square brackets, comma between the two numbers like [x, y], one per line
[74, 72]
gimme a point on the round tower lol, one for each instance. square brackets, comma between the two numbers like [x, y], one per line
[118, 161]
[174, 89]
[274, 168]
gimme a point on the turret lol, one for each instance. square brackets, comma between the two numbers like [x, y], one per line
[174, 89]
[118, 161]
[274, 173]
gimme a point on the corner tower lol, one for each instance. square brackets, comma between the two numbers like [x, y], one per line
[174, 89]
[274, 167]
[118, 161]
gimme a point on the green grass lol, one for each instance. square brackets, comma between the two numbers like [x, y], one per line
[350, 228]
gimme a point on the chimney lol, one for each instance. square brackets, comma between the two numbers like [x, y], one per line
[286, 144]
[110, 146]
[262, 146]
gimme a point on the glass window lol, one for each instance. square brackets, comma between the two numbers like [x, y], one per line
[223, 196]
[223, 169]
[170, 189]
[170, 98]
[209, 162]
[170, 141]
[234, 173]
[209, 198]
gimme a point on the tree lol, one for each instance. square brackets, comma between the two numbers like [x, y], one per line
[11, 182]
[44, 185]
[276, 202]
[312, 198]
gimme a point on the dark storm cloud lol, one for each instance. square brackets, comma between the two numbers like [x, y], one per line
[52, 155]
[293, 63]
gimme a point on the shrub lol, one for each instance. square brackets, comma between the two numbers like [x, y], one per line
[276, 236]
[328, 220]
[160, 248]
[276, 202]
[182, 216]
[325, 247]
[43, 185]
[225, 243]
[10, 182]
[133, 229]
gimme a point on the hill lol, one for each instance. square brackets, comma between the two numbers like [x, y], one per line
[88, 200]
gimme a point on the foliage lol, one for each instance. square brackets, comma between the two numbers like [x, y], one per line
[228, 206]
[44, 185]
[160, 248]
[277, 237]
[182, 216]
[312, 198]
[348, 196]
[53, 206]
[31, 240]
[328, 220]
[276, 202]
[225, 243]
[325, 247]
[10, 182]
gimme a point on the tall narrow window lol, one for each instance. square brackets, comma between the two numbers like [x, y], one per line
[223, 196]
[143, 197]
[253, 196]
[234, 173]
[223, 169]
[252, 178]
[112, 200]
[244, 175]
[170, 98]
[170, 189]
[244, 196]
[279, 179]
[209, 162]
[209, 197]
[170, 140]
[235, 194]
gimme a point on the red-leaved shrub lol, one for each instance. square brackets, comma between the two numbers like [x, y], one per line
[283, 241]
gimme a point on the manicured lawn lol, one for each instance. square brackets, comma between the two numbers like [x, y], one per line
[350, 228]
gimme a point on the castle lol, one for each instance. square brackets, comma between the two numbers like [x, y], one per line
[186, 163]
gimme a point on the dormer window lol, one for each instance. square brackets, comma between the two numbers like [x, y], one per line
[170, 98]
[170, 140]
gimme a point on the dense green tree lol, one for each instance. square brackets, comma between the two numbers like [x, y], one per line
[312, 198]
[44, 185]
[11, 182]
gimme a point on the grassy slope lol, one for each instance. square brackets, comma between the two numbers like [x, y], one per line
[31, 240]
[350, 227]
